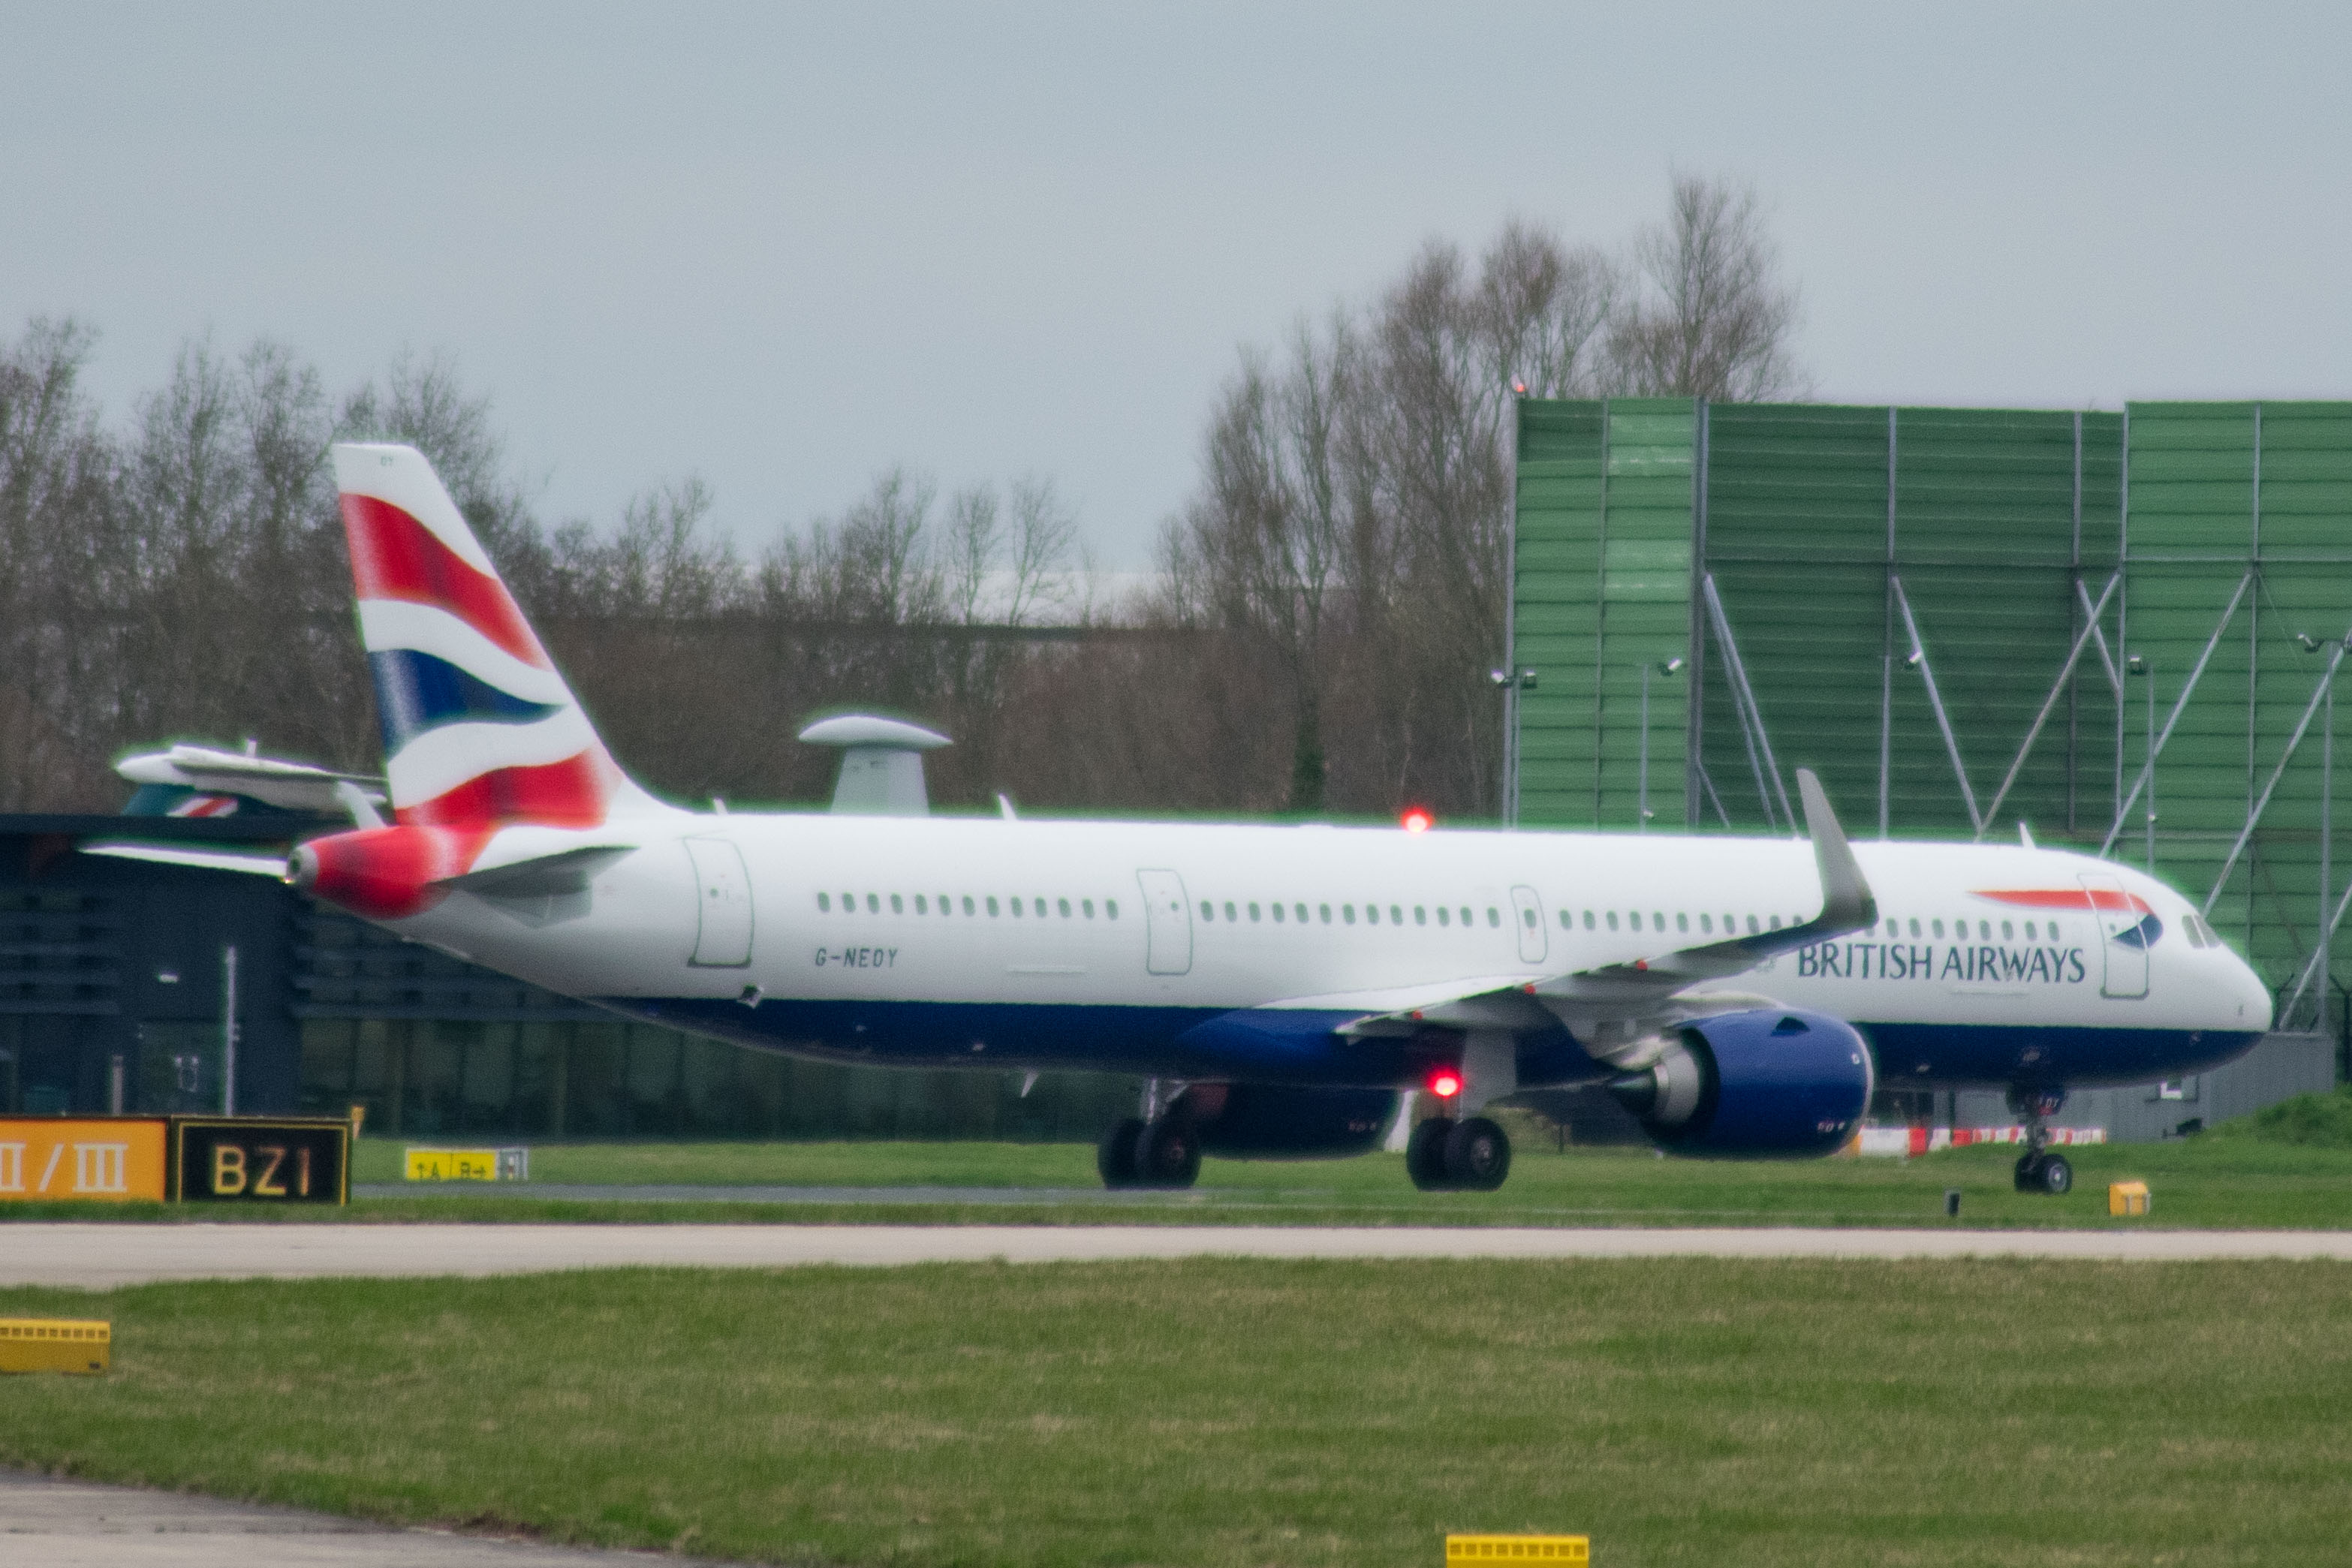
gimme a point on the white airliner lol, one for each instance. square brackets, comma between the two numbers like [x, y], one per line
[1280, 986]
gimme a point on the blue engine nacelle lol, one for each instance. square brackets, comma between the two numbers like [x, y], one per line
[1777, 1082]
[1277, 1122]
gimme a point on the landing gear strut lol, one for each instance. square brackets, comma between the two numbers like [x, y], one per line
[1473, 1155]
[2039, 1170]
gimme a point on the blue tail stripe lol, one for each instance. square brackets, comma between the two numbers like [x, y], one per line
[416, 692]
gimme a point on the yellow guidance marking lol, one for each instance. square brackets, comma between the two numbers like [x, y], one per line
[1461, 1549]
[55, 1344]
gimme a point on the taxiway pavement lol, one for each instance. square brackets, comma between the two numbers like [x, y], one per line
[98, 1256]
[47, 1523]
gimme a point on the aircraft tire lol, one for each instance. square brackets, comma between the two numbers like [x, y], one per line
[1167, 1155]
[1424, 1154]
[1477, 1155]
[1115, 1156]
[2057, 1175]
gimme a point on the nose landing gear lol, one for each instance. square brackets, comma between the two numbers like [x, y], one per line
[2039, 1170]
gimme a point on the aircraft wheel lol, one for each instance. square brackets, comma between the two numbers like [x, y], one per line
[1424, 1154]
[1167, 1155]
[1478, 1155]
[1115, 1156]
[2049, 1174]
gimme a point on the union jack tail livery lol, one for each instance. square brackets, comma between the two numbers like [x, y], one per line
[479, 731]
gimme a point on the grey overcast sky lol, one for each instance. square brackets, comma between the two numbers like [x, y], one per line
[784, 247]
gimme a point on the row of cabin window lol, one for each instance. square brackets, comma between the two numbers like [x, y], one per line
[1682, 922]
[1281, 912]
[1085, 908]
[1893, 931]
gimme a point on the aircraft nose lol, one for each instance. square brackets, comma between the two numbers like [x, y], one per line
[2255, 995]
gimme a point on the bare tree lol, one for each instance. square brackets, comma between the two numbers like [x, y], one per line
[1715, 320]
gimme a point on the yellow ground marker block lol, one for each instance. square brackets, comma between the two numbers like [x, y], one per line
[55, 1344]
[2127, 1198]
[1461, 1549]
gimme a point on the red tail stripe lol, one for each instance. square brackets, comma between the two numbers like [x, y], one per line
[570, 794]
[393, 556]
[2068, 898]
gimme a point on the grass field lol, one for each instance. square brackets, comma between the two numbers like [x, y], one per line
[2212, 1181]
[2291, 1168]
[1250, 1413]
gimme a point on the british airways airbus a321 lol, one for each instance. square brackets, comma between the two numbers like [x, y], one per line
[1280, 986]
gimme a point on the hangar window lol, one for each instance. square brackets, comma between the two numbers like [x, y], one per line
[992, 909]
[1421, 914]
[824, 904]
[1229, 911]
[1253, 909]
[1087, 907]
[897, 905]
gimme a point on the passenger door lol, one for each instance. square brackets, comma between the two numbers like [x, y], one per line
[1167, 923]
[723, 937]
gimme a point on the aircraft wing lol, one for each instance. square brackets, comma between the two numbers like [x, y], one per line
[1634, 998]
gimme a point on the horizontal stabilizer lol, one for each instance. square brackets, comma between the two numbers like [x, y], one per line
[244, 861]
[555, 874]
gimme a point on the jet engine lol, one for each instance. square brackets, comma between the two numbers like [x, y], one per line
[1769, 1082]
[1268, 1121]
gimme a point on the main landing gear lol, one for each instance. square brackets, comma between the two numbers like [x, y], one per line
[1160, 1150]
[2039, 1170]
[1473, 1155]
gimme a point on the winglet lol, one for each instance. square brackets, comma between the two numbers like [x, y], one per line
[1847, 903]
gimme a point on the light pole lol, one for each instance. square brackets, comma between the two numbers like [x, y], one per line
[1512, 684]
[2140, 664]
[1664, 667]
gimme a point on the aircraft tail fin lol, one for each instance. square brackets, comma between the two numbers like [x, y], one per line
[479, 727]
